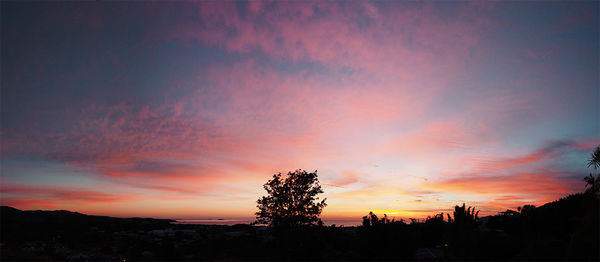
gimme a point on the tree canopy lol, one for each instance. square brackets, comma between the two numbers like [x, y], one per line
[291, 201]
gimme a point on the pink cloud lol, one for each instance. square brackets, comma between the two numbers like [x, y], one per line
[383, 85]
[394, 39]
[50, 197]
[524, 183]
[436, 136]
[342, 180]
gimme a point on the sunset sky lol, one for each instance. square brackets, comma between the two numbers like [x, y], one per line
[185, 109]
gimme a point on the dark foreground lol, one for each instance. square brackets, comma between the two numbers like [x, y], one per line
[562, 230]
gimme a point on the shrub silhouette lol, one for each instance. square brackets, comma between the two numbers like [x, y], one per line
[591, 181]
[526, 209]
[366, 221]
[291, 201]
[372, 220]
[385, 219]
[438, 218]
[464, 217]
[462, 234]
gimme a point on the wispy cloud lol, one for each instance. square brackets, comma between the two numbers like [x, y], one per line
[29, 196]
[399, 105]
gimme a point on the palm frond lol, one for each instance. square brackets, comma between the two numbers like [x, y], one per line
[595, 158]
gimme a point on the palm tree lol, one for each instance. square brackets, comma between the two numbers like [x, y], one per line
[595, 158]
[462, 216]
[593, 182]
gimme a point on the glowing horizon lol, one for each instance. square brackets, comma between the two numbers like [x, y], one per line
[185, 109]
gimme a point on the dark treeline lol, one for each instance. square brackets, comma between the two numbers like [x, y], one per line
[564, 229]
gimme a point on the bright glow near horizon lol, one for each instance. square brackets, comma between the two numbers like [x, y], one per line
[185, 109]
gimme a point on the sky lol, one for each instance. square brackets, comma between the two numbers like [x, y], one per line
[185, 109]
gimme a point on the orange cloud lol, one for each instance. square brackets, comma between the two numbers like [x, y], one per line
[52, 196]
[342, 180]
[534, 185]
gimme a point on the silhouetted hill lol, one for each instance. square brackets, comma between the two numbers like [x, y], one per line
[9, 211]
[39, 230]
[42, 225]
[562, 229]
[69, 219]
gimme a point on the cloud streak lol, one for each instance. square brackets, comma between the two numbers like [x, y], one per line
[23, 195]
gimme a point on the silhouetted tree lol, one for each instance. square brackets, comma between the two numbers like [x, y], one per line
[366, 221]
[438, 218]
[465, 217]
[462, 230]
[527, 209]
[374, 219]
[595, 158]
[385, 219]
[291, 201]
[591, 181]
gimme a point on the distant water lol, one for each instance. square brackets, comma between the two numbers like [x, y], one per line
[226, 222]
[229, 222]
[343, 222]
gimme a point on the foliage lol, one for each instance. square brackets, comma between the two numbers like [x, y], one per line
[565, 229]
[591, 181]
[385, 219]
[372, 220]
[594, 160]
[464, 216]
[462, 235]
[526, 209]
[366, 220]
[291, 201]
[438, 218]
